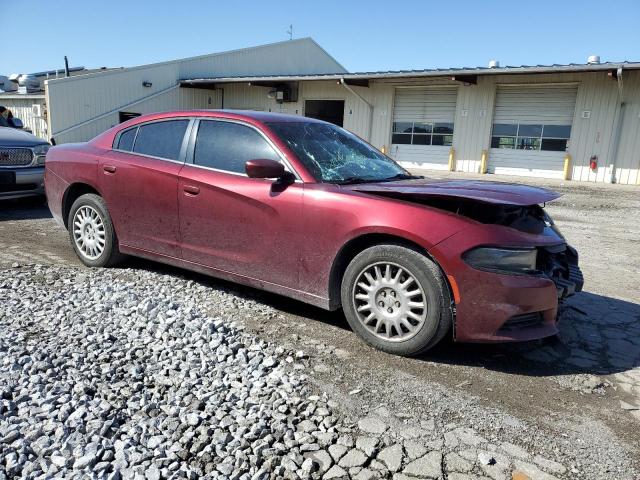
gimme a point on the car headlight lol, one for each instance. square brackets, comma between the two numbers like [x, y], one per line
[503, 260]
[40, 152]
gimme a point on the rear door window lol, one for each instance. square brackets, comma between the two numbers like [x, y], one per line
[125, 142]
[161, 139]
[228, 146]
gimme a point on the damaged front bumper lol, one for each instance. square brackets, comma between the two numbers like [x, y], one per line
[559, 263]
[501, 307]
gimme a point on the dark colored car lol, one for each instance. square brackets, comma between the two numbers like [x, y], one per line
[22, 157]
[306, 209]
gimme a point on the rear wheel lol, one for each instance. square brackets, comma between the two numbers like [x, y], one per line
[91, 232]
[396, 299]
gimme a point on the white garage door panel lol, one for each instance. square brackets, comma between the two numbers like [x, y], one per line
[434, 105]
[532, 105]
[429, 105]
[526, 163]
[536, 104]
[421, 156]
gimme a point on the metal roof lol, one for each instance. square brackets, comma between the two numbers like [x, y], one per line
[434, 72]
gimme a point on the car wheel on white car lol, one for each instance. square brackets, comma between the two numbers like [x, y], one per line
[396, 299]
[91, 232]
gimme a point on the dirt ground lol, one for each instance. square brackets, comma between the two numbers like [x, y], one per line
[582, 388]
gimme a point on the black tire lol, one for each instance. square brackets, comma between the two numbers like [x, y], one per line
[439, 312]
[110, 255]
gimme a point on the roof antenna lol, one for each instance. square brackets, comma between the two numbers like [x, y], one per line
[290, 32]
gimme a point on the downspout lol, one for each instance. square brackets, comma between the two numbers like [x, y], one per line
[348, 87]
[619, 122]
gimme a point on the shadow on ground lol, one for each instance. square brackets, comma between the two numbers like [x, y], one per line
[31, 208]
[598, 335]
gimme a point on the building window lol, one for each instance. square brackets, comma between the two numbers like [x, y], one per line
[422, 133]
[554, 138]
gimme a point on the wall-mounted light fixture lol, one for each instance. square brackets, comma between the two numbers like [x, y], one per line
[146, 83]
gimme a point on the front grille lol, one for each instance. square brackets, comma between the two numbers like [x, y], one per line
[15, 157]
[527, 320]
[560, 264]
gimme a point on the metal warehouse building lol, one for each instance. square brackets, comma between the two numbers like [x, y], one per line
[578, 121]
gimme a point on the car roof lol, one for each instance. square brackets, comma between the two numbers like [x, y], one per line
[249, 115]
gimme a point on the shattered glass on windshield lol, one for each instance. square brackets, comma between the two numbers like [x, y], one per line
[334, 155]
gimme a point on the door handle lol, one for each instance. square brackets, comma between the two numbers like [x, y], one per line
[191, 190]
[109, 168]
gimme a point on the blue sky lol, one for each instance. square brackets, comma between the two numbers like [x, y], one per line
[362, 35]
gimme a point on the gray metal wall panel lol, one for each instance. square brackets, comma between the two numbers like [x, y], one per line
[628, 157]
[75, 100]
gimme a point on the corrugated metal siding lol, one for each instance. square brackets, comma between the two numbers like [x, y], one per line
[472, 130]
[597, 94]
[22, 109]
[628, 158]
[78, 99]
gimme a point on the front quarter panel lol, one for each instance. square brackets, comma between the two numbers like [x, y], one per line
[335, 216]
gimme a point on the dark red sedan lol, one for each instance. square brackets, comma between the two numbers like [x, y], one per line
[306, 209]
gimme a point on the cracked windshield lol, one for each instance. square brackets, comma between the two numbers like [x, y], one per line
[334, 155]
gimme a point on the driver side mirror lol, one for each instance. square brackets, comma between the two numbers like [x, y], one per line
[17, 123]
[263, 168]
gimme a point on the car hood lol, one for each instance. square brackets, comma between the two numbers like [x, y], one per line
[478, 190]
[12, 137]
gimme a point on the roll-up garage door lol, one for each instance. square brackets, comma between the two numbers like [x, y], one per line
[531, 129]
[423, 125]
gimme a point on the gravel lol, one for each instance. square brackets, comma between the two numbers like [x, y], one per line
[127, 374]
[104, 375]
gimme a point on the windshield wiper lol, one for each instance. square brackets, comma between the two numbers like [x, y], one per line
[353, 180]
[400, 176]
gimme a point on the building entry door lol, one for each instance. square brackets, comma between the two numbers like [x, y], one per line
[331, 111]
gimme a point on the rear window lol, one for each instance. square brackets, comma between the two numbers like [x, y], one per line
[161, 139]
[126, 140]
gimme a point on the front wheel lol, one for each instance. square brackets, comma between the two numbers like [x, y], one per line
[91, 232]
[396, 299]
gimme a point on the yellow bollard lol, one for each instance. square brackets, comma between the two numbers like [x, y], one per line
[452, 157]
[567, 166]
[383, 149]
[483, 162]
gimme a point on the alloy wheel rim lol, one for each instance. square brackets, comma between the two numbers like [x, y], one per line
[389, 301]
[89, 232]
